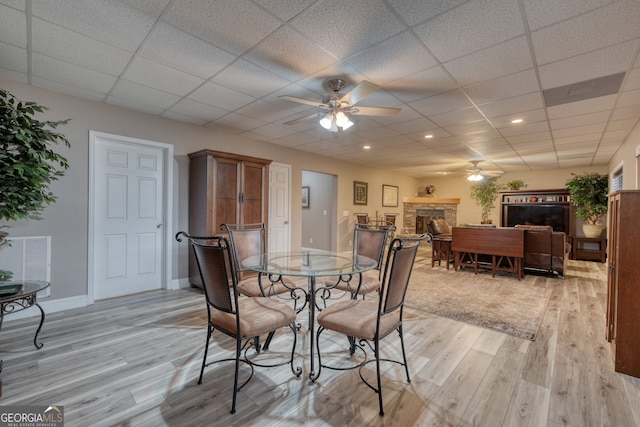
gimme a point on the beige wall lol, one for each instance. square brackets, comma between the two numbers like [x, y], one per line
[626, 156]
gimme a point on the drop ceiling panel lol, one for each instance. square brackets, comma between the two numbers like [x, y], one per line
[422, 84]
[161, 77]
[13, 58]
[519, 83]
[581, 120]
[542, 13]
[240, 76]
[445, 102]
[67, 89]
[496, 61]
[72, 75]
[220, 96]
[473, 26]
[593, 105]
[137, 93]
[522, 103]
[13, 27]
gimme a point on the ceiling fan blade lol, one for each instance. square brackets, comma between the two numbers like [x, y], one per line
[359, 92]
[374, 111]
[302, 119]
[304, 101]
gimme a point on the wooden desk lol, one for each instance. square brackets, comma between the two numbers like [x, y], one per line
[503, 247]
[578, 250]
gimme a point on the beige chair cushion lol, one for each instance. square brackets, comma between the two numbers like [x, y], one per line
[357, 318]
[257, 316]
[249, 287]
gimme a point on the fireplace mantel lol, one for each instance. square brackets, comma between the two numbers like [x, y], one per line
[432, 200]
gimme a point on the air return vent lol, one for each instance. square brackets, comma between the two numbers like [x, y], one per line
[583, 90]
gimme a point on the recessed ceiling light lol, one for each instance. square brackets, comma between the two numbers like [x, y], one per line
[366, 147]
[428, 136]
[515, 121]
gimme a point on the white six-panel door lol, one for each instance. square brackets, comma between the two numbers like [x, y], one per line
[279, 207]
[127, 217]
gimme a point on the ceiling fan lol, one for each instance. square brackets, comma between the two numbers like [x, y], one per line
[336, 107]
[478, 174]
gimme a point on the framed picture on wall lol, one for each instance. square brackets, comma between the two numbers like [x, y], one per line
[389, 195]
[305, 197]
[360, 193]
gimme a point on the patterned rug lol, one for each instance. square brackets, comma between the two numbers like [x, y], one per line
[501, 303]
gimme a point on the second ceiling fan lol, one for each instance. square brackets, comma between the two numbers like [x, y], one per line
[477, 173]
[337, 107]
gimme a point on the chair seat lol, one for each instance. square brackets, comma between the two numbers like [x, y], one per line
[258, 316]
[250, 287]
[357, 318]
[370, 283]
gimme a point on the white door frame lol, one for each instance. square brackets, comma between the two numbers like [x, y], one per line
[167, 205]
[288, 208]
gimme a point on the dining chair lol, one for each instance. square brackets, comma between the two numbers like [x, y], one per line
[371, 242]
[243, 319]
[249, 240]
[370, 321]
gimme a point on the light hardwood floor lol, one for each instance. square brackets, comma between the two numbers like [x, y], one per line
[134, 361]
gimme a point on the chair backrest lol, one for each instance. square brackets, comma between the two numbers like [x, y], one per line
[390, 218]
[371, 241]
[397, 272]
[246, 240]
[216, 271]
[363, 218]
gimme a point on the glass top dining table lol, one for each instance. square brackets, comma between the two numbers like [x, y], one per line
[311, 264]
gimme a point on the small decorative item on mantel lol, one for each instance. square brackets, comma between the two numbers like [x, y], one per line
[429, 190]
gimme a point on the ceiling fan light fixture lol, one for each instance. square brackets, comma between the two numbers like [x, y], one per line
[326, 121]
[347, 125]
[341, 119]
[475, 177]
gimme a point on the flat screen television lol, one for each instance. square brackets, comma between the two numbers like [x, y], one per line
[556, 216]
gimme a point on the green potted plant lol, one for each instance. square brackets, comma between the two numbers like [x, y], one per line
[485, 192]
[588, 193]
[515, 184]
[28, 163]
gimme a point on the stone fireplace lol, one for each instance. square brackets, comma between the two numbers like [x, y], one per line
[418, 210]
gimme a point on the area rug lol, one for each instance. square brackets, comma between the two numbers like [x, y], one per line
[501, 303]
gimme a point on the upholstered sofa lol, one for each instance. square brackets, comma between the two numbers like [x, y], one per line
[544, 249]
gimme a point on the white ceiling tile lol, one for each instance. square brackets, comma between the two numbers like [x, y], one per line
[552, 44]
[182, 118]
[233, 25]
[541, 13]
[13, 58]
[479, 126]
[457, 117]
[289, 55]
[530, 137]
[599, 63]
[221, 96]
[334, 25]
[626, 124]
[629, 98]
[66, 45]
[442, 103]
[14, 76]
[71, 75]
[578, 140]
[471, 27]
[626, 113]
[519, 83]
[16, 4]
[415, 11]
[597, 128]
[592, 105]
[420, 125]
[133, 105]
[285, 9]
[161, 77]
[265, 110]
[241, 74]
[421, 84]
[619, 134]
[240, 121]
[150, 7]
[108, 21]
[501, 60]
[67, 89]
[517, 104]
[137, 93]
[531, 116]
[525, 128]
[396, 57]
[581, 120]
[13, 27]
[273, 131]
[632, 80]
[178, 49]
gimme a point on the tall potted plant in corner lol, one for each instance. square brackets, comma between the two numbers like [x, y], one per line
[485, 192]
[588, 193]
[28, 163]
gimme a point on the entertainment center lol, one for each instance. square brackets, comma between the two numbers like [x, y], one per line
[537, 207]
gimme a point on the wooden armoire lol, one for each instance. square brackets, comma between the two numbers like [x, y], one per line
[623, 307]
[225, 188]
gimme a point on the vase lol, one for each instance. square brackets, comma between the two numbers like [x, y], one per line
[592, 230]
